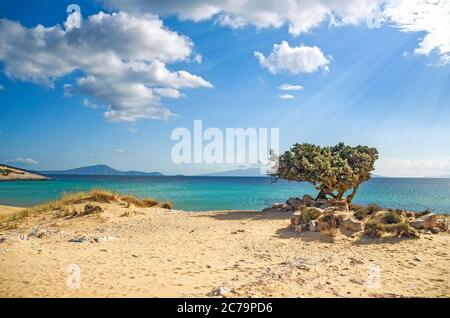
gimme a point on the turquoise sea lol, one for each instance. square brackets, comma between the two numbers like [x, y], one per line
[223, 193]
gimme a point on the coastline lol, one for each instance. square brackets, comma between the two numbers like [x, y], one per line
[155, 252]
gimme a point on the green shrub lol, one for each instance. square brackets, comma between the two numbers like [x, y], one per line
[360, 213]
[167, 205]
[373, 208]
[391, 218]
[309, 214]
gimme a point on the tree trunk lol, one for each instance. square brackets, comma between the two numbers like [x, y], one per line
[323, 194]
[352, 195]
[340, 194]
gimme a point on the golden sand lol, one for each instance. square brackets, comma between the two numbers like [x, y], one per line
[152, 252]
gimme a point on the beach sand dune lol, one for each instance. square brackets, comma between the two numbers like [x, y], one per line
[153, 252]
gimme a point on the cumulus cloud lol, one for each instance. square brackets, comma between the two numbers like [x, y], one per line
[123, 58]
[87, 103]
[286, 96]
[290, 87]
[299, 15]
[295, 60]
[431, 17]
[20, 160]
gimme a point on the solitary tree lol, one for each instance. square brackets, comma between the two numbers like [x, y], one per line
[332, 170]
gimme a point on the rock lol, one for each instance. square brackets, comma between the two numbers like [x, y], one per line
[312, 226]
[341, 204]
[352, 224]
[417, 259]
[101, 239]
[80, 239]
[331, 209]
[435, 230]
[441, 224]
[322, 201]
[295, 203]
[2, 239]
[220, 291]
[296, 218]
[308, 200]
[33, 232]
[106, 238]
[300, 228]
[425, 222]
[38, 233]
[321, 225]
[23, 237]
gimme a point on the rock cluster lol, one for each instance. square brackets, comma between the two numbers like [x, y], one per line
[307, 201]
[429, 222]
[315, 220]
[376, 224]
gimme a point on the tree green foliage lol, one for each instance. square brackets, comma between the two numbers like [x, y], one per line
[332, 170]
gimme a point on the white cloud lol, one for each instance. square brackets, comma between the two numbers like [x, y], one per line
[119, 150]
[431, 17]
[299, 15]
[26, 161]
[295, 60]
[290, 87]
[123, 58]
[87, 103]
[2, 88]
[286, 96]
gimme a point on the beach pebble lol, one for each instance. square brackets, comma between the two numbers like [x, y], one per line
[80, 239]
[220, 291]
[38, 233]
[23, 237]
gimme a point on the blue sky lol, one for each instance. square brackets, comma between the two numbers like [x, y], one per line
[376, 88]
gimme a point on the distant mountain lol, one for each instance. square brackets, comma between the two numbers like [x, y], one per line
[249, 172]
[100, 170]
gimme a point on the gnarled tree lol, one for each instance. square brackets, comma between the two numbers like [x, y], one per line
[332, 170]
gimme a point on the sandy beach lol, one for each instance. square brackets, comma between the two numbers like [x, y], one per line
[154, 252]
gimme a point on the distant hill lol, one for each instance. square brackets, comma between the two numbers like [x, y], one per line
[8, 173]
[249, 172]
[100, 170]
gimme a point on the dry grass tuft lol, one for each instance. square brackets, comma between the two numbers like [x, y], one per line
[389, 223]
[63, 207]
[145, 203]
[329, 232]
